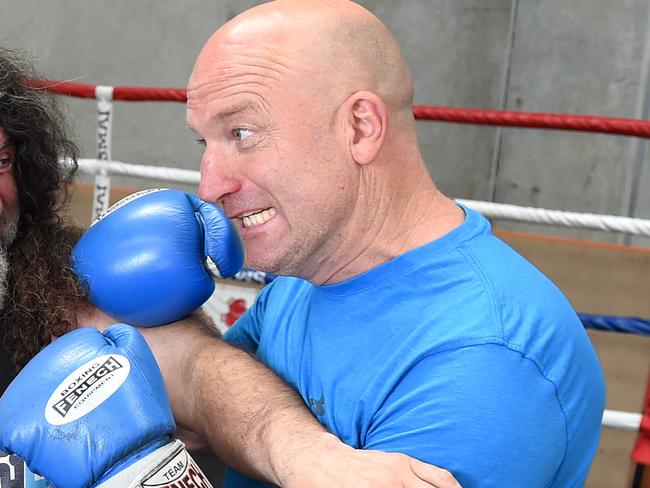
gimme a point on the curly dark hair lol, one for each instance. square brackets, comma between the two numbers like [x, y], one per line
[43, 294]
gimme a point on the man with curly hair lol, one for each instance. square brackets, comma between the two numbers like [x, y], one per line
[40, 297]
[39, 294]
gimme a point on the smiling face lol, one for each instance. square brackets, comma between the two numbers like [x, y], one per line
[275, 152]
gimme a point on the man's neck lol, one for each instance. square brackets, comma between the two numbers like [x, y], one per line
[395, 223]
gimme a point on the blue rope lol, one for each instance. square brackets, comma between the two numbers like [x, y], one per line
[632, 325]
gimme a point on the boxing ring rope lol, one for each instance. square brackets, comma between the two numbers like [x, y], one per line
[536, 120]
[622, 420]
[160, 173]
[103, 165]
[611, 223]
[582, 123]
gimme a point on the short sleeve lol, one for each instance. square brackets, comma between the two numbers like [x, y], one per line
[484, 412]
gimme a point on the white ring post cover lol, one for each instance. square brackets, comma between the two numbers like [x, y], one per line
[102, 190]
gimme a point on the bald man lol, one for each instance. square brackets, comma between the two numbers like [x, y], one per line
[401, 320]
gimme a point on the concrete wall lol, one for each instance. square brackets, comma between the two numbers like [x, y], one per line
[584, 56]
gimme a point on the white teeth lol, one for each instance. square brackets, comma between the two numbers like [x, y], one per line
[258, 218]
[250, 213]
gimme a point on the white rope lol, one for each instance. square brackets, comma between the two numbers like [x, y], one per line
[622, 420]
[611, 223]
[160, 173]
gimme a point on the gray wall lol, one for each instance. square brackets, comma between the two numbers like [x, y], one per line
[583, 56]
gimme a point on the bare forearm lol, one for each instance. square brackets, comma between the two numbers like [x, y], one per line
[249, 416]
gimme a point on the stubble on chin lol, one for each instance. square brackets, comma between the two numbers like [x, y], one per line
[7, 237]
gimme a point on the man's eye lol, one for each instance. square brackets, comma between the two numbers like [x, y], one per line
[5, 163]
[200, 142]
[241, 134]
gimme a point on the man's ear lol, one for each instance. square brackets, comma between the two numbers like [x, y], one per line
[368, 121]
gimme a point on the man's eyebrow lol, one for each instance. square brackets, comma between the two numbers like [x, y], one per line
[5, 145]
[235, 109]
[230, 111]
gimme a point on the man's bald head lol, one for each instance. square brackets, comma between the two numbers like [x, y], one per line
[333, 45]
[304, 108]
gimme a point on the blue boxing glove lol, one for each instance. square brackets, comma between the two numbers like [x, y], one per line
[144, 261]
[91, 410]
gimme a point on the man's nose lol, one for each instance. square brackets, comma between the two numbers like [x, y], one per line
[217, 177]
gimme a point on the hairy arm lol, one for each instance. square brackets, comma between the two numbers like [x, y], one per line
[259, 425]
[235, 403]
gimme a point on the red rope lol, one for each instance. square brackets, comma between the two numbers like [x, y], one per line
[125, 93]
[69, 88]
[583, 123]
[135, 94]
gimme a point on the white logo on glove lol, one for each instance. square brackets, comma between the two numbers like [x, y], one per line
[125, 200]
[86, 388]
[180, 470]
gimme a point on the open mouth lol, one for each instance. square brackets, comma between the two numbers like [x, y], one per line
[257, 217]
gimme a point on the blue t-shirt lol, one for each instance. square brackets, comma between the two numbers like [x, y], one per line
[459, 353]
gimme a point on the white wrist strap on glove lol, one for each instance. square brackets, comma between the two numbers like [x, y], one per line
[170, 466]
